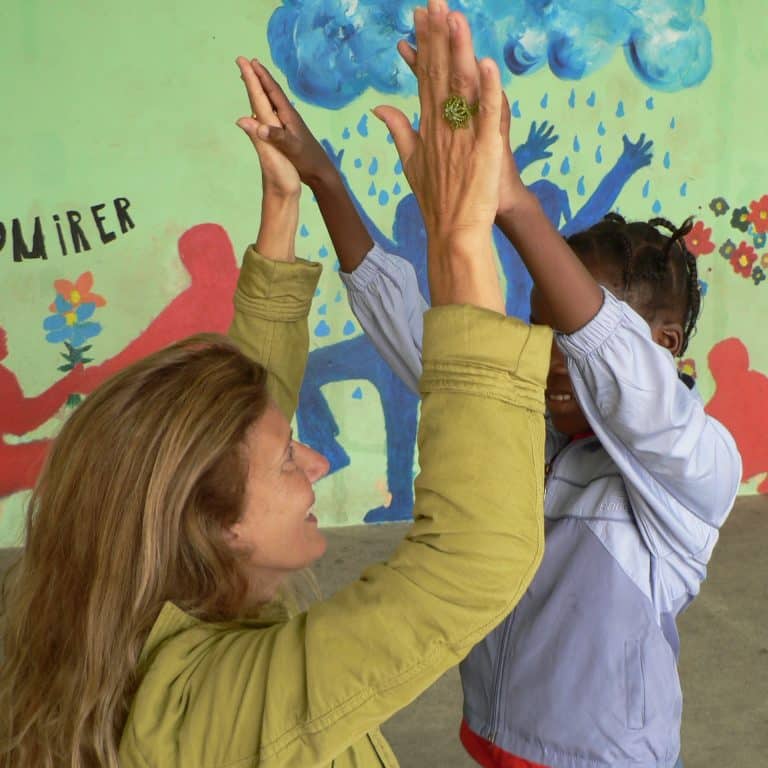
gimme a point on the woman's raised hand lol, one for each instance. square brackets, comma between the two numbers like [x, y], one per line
[279, 176]
[453, 170]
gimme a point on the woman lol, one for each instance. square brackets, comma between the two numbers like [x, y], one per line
[146, 623]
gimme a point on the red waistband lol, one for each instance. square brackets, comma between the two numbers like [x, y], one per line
[487, 754]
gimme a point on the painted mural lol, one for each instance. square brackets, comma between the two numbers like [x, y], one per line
[647, 107]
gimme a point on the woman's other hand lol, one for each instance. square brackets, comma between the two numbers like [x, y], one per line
[278, 174]
[290, 134]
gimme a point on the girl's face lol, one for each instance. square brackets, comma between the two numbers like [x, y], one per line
[562, 406]
[564, 410]
[278, 530]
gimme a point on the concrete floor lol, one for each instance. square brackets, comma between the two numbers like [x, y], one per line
[723, 661]
[724, 657]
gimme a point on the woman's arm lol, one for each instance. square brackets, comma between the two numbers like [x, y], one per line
[274, 290]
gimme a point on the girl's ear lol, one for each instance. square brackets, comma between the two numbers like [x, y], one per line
[669, 335]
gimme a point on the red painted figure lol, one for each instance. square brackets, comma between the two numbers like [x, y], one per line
[205, 306]
[739, 403]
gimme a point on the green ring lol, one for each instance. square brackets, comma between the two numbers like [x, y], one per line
[457, 111]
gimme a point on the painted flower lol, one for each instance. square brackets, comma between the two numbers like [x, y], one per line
[77, 293]
[71, 324]
[760, 239]
[699, 239]
[758, 214]
[758, 275]
[687, 367]
[743, 258]
[727, 249]
[719, 206]
[764, 261]
[740, 219]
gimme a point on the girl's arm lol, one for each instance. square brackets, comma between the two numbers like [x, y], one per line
[680, 466]
[384, 295]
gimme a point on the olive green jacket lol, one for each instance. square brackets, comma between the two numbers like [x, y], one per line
[312, 691]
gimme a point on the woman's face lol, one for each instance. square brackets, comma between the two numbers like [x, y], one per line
[278, 529]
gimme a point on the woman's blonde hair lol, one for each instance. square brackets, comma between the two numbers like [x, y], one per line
[129, 511]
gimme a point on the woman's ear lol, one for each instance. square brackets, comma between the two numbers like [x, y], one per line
[668, 335]
[231, 534]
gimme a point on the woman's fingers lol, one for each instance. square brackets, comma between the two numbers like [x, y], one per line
[253, 129]
[436, 69]
[489, 114]
[405, 138]
[275, 94]
[407, 54]
[506, 117]
[463, 79]
[260, 104]
[421, 31]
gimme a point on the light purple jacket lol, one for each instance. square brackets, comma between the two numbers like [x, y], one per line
[583, 673]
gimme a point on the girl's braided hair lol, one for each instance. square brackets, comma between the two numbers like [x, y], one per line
[653, 269]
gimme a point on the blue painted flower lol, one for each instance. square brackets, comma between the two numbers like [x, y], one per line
[719, 206]
[71, 324]
[727, 248]
[740, 218]
[758, 275]
[760, 239]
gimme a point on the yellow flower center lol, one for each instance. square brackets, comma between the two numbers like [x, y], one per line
[764, 215]
[71, 318]
[74, 297]
[743, 260]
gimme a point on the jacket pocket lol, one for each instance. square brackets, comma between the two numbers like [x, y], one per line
[635, 684]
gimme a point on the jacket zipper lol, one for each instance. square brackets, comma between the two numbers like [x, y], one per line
[499, 678]
[495, 718]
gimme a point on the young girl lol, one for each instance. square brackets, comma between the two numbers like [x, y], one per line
[583, 674]
[140, 627]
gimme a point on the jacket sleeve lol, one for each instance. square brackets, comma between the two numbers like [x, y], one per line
[301, 692]
[272, 303]
[681, 467]
[384, 295]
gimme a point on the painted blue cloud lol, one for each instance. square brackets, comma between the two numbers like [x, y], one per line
[331, 51]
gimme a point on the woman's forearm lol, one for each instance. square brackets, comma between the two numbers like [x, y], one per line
[279, 221]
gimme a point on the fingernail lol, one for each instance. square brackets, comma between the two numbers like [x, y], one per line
[452, 25]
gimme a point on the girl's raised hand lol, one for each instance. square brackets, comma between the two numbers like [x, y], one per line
[290, 133]
[278, 174]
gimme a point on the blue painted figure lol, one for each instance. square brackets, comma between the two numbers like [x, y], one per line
[358, 359]
[554, 200]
